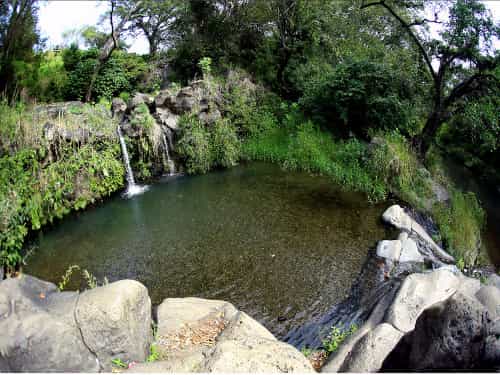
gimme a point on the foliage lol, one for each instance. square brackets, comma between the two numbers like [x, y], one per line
[358, 96]
[66, 277]
[225, 144]
[460, 224]
[336, 337]
[119, 363]
[205, 65]
[154, 354]
[34, 191]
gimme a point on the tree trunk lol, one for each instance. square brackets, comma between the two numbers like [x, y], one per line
[423, 141]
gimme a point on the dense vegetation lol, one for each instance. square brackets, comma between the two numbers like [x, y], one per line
[346, 89]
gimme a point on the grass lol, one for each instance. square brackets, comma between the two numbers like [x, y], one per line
[336, 337]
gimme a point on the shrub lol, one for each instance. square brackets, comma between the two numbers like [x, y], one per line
[194, 145]
[225, 144]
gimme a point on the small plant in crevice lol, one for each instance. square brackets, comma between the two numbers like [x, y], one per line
[337, 336]
[119, 363]
[90, 279]
[306, 351]
[154, 354]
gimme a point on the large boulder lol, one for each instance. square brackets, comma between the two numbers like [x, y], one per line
[39, 331]
[115, 322]
[419, 292]
[454, 334]
[372, 349]
[138, 99]
[489, 296]
[199, 335]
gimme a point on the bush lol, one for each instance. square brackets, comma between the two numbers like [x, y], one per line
[225, 144]
[194, 145]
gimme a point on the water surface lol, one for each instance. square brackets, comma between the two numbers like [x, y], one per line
[283, 247]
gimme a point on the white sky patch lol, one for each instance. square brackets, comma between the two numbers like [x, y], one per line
[58, 16]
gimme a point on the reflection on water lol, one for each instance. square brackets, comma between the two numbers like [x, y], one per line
[283, 247]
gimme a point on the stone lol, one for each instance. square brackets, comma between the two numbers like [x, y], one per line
[409, 251]
[166, 117]
[468, 286]
[417, 293]
[450, 335]
[396, 216]
[39, 331]
[489, 296]
[371, 350]
[115, 322]
[211, 117]
[139, 99]
[118, 108]
[161, 99]
[216, 337]
[493, 280]
[389, 249]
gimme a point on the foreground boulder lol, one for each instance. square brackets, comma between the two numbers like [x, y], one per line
[197, 335]
[115, 321]
[39, 332]
[44, 330]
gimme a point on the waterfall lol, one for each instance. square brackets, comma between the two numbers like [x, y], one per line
[132, 187]
[169, 161]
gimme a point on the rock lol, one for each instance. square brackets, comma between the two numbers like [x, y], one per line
[389, 249]
[49, 132]
[468, 286]
[369, 353]
[216, 337]
[166, 117]
[164, 97]
[115, 322]
[493, 280]
[139, 99]
[409, 251]
[489, 296]
[396, 216]
[56, 110]
[417, 293]
[450, 335]
[39, 331]
[211, 117]
[118, 108]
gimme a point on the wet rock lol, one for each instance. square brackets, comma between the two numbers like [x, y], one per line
[166, 117]
[39, 332]
[115, 321]
[417, 293]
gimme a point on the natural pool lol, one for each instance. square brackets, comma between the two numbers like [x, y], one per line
[283, 247]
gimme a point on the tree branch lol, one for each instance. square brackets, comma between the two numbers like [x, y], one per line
[407, 27]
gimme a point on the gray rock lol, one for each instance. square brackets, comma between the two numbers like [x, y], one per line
[468, 286]
[233, 342]
[369, 353]
[493, 280]
[450, 335]
[118, 108]
[417, 293]
[389, 249]
[164, 98]
[39, 332]
[489, 296]
[396, 216]
[139, 99]
[409, 252]
[211, 117]
[166, 117]
[115, 322]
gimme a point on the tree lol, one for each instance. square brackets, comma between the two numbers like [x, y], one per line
[18, 37]
[154, 20]
[462, 53]
[132, 8]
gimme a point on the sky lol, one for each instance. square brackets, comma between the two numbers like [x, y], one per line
[56, 17]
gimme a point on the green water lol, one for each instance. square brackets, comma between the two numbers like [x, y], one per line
[283, 247]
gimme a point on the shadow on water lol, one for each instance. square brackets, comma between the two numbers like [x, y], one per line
[283, 247]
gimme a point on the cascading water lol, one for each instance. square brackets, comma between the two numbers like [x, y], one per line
[170, 163]
[132, 187]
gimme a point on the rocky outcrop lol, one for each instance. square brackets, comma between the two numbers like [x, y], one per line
[44, 330]
[397, 217]
[197, 335]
